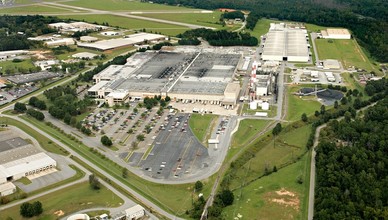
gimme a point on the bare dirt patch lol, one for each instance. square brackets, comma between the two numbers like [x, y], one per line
[59, 213]
[284, 198]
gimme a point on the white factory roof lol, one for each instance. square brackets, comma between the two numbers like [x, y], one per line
[109, 72]
[118, 94]
[13, 52]
[120, 42]
[134, 209]
[25, 164]
[6, 186]
[98, 86]
[84, 55]
[285, 43]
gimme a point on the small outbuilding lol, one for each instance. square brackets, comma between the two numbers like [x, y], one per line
[135, 212]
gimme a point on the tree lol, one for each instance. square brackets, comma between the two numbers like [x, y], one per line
[227, 197]
[336, 104]
[125, 172]
[304, 117]
[344, 100]
[37, 207]
[323, 109]
[20, 107]
[277, 129]
[94, 182]
[106, 141]
[26, 210]
[198, 186]
[140, 137]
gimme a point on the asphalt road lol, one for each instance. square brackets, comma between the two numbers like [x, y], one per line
[313, 37]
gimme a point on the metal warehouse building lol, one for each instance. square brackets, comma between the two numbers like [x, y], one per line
[19, 159]
[284, 44]
[193, 75]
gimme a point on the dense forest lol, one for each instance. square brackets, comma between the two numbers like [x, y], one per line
[352, 177]
[14, 31]
[219, 38]
[367, 19]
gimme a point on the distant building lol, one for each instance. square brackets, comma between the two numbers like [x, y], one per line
[60, 42]
[46, 64]
[226, 10]
[337, 33]
[84, 55]
[135, 212]
[76, 26]
[110, 33]
[88, 39]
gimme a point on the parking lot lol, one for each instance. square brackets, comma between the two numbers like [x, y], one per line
[301, 76]
[175, 152]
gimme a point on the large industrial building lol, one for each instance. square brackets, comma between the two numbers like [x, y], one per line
[337, 33]
[129, 40]
[18, 159]
[286, 44]
[193, 75]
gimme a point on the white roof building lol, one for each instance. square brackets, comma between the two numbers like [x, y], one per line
[60, 42]
[129, 40]
[336, 33]
[84, 55]
[7, 189]
[286, 44]
[88, 39]
[19, 168]
[135, 212]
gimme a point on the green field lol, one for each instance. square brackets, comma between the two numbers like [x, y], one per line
[247, 130]
[69, 200]
[204, 19]
[44, 142]
[346, 51]
[261, 28]
[123, 5]
[33, 9]
[287, 148]
[130, 23]
[299, 105]
[14, 67]
[201, 125]
[259, 199]
[158, 193]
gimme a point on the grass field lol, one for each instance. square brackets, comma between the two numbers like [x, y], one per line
[287, 148]
[271, 112]
[297, 106]
[33, 9]
[130, 23]
[346, 51]
[200, 124]
[259, 199]
[69, 200]
[158, 193]
[123, 5]
[261, 28]
[247, 130]
[205, 19]
[14, 67]
[44, 142]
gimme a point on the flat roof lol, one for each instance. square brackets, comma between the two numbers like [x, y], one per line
[32, 77]
[98, 86]
[85, 55]
[285, 43]
[121, 42]
[18, 153]
[134, 209]
[337, 31]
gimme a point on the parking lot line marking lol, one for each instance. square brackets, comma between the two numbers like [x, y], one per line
[145, 155]
[126, 159]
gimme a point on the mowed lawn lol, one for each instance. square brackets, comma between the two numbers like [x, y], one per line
[200, 124]
[262, 27]
[122, 5]
[33, 9]
[288, 146]
[298, 105]
[71, 199]
[346, 51]
[247, 130]
[204, 19]
[277, 196]
[15, 66]
[130, 23]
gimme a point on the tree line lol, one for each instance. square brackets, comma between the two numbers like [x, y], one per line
[219, 37]
[366, 19]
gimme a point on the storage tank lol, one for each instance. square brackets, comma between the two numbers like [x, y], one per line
[253, 105]
[265, 106]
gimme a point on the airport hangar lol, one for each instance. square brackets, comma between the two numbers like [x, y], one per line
[286, 44]
[18, 159]
[191, 75]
